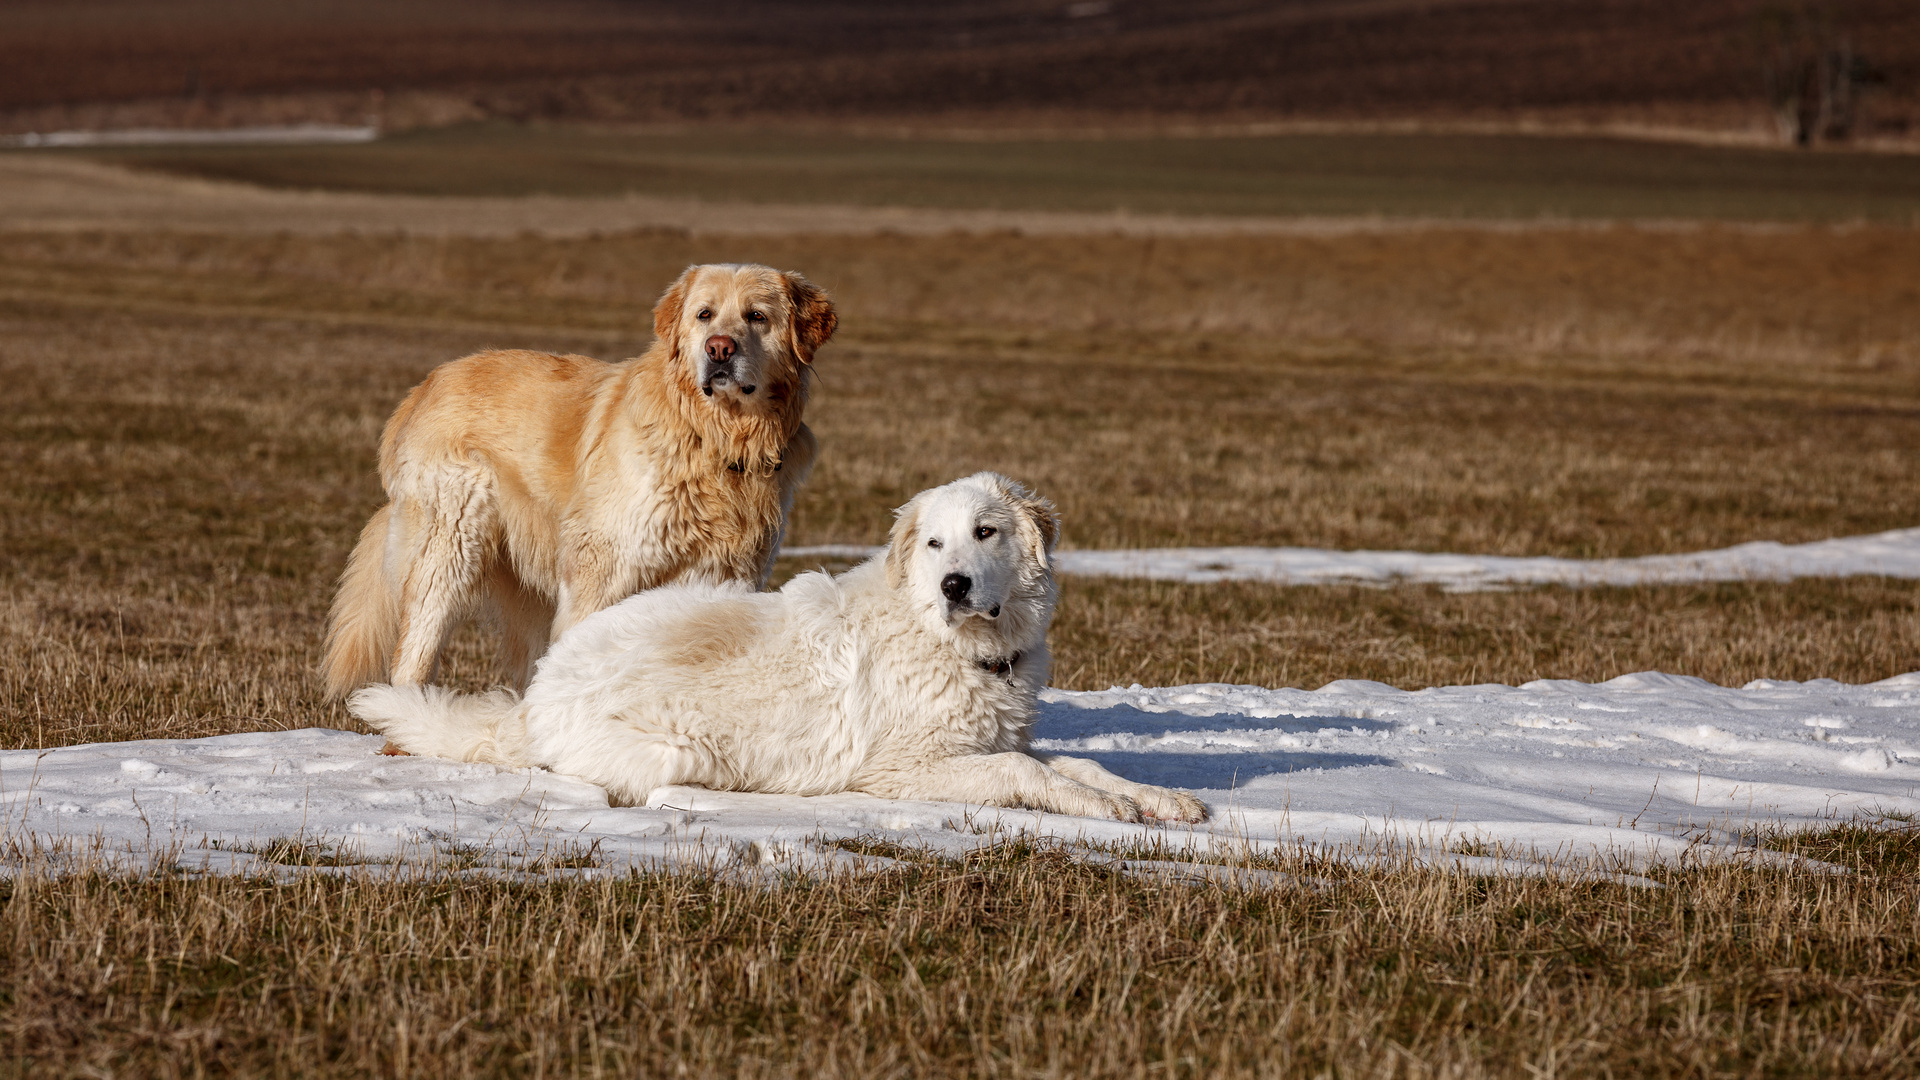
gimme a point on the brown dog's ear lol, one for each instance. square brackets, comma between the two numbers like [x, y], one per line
[902, 542]
[813, 320]
[666, 313]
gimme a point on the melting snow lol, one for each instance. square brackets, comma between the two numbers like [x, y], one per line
[1890, 554]
[1642, 769]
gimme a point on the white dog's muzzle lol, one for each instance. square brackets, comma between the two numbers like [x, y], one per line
[962, 598]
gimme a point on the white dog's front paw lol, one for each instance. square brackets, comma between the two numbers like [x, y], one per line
[1114, 805]
[1166, 804]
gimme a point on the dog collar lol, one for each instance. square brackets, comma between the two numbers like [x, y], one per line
[1000, 665]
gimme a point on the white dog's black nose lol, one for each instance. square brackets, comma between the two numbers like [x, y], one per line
[955, 587]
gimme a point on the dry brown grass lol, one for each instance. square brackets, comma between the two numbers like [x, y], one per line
[1014, 962]
[1110, 632]
[187, 451]
[1577, 392]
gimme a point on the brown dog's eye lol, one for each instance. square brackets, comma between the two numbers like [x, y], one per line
[933, 543]
[983, 532]
[706, 314]
[756, 316]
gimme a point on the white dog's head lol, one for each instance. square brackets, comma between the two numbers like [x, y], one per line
[743, 336]
[976, 557]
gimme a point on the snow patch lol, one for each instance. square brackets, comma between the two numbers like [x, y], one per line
[1889, 554]
[1642, 769]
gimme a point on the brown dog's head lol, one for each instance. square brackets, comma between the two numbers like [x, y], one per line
[742, 336]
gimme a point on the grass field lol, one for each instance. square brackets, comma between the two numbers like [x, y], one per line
[1016, 963]
[1499, 177]
[188, 453]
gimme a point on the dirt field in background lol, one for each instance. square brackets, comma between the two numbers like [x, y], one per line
[1028, 63]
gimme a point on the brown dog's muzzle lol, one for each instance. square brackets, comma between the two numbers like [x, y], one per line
[719, 366]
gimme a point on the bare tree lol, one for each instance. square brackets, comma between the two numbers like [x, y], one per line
[1810, 70]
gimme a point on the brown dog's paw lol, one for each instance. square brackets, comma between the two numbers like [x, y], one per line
[392, 750]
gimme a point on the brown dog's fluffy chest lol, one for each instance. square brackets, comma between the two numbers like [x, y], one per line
[670, 486]
[701, 513]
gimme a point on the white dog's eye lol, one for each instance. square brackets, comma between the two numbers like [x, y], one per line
[983, 532]
[756, 316]
[706, 314]
[933, 543]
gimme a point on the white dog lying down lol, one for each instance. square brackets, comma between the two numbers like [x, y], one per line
[912, 676]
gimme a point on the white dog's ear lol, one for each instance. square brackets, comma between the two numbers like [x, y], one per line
[903, 542]
[1039, 521]
[1046, 525]
[813, 321]
[666, 313]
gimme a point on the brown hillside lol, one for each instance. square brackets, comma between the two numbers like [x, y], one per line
[1125, 61]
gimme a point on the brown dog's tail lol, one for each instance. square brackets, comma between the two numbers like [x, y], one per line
[365, 623]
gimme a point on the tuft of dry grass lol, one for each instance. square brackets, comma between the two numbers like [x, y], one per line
[1017, 961]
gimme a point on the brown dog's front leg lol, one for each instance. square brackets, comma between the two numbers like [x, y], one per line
[796, 461]
[589, 581]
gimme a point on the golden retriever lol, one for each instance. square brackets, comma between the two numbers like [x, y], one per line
[546, 488]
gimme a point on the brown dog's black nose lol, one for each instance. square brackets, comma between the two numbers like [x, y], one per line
[955, 587]
[720, 348]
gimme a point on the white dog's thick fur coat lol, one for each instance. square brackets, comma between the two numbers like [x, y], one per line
[912, 676]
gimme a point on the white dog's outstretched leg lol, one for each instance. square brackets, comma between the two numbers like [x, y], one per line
[1158, 802]
[1011, 779]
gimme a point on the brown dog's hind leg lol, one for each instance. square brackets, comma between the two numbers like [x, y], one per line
[450, 534]
[525, 618]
